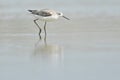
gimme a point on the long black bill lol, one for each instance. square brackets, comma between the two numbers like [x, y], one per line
[65, 17]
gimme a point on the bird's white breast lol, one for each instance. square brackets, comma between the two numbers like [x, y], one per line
[47, 18]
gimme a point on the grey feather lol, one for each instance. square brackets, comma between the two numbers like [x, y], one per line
[43, 13]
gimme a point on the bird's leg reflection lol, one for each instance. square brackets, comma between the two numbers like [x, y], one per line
[39, 42]
[49, 53]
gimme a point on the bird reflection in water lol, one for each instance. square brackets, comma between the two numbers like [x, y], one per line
[50, 53]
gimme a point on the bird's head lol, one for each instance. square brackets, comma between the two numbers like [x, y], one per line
[61, 14]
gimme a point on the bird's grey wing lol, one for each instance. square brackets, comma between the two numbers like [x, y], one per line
[43, 13]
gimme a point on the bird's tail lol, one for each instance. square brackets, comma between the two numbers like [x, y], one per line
[32, 11]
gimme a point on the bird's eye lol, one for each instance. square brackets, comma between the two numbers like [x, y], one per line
[59, 13]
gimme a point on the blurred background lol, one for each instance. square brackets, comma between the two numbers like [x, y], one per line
[87, 47]
[18, 8]
[13, 12]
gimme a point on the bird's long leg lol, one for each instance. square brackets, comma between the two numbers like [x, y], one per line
[40, 30]
[45, 32]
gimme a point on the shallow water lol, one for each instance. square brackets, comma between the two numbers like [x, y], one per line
[87, 54]
[85, 48]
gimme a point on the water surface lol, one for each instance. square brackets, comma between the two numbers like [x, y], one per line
[85, 48]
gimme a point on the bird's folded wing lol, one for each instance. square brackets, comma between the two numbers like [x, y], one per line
[43, 13]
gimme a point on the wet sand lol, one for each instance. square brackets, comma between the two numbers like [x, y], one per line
[84, 48]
